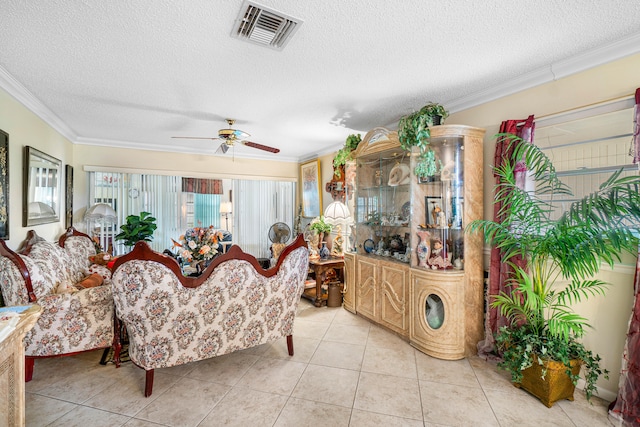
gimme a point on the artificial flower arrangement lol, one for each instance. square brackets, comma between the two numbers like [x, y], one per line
[198, 243]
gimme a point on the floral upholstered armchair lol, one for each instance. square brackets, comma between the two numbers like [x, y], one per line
[75, 317]
[234, 304]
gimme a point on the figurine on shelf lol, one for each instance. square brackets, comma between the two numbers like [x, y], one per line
[441, 221]
[423, 250]
[336, 247]
[439, 259]
[313, 245]
[435, 211]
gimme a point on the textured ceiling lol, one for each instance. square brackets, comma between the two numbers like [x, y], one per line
[133, 74]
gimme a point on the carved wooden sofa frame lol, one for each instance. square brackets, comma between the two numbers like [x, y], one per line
[235, 304]
[70, 323]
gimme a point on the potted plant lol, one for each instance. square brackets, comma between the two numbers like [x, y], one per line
[553, 256]
[427, 166]
[413, 129]
[344, 154]
[137, 227]
[320, 226]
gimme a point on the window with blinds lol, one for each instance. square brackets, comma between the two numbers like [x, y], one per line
[587, 150]
[179, 203]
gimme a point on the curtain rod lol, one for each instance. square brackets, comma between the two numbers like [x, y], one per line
[600, 107]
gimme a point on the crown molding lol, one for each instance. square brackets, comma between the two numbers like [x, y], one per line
[598, 56]
[26, 98]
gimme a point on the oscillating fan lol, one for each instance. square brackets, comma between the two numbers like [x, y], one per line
[279, 233]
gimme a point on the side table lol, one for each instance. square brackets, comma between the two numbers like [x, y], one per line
[12, 412]
[320, 267]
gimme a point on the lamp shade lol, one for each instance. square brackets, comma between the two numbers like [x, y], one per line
[337, 211]
[225, 207]
[101, 211]
[40, 209]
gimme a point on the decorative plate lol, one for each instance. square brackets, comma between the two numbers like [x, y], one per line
[369, 246]
[406, 211]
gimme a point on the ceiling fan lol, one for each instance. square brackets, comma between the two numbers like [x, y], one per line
[230, 137]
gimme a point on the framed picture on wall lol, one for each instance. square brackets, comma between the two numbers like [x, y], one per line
[68, 194]
[42, 188]
[4, 185]
[311, 200]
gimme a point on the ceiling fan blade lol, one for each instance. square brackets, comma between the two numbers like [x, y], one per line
[261, 147]
[193, 137]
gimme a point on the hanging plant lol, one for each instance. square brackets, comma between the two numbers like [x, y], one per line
[413, 129]
[428, 165]
[345, 153]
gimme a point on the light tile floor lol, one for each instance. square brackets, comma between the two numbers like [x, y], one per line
[345, 372]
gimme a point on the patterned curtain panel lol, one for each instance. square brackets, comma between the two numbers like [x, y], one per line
[499, 271]
[202, 186]
[625, 410]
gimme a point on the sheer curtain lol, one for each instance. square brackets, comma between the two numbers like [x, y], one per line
[256, 206]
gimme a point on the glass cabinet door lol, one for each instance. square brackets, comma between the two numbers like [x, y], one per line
[440, 231]
[382, 204]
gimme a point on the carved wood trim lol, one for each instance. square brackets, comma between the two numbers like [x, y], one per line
[22, 267]
[71, 231]
[142, 251]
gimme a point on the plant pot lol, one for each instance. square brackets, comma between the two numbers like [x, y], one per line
[556, 385]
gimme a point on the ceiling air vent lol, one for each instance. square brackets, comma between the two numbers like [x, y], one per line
[267, 27]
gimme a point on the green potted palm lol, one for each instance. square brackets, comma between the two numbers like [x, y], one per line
[137, 227]
[554, 256]
[414, 131]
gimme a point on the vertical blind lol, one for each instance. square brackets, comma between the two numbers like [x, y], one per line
[262, 203]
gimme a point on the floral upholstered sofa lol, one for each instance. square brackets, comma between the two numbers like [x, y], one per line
[74, 318]
[234, 304]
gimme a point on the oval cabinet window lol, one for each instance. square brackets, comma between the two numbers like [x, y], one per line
[434, 311]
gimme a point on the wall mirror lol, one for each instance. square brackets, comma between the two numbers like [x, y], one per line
[41, 189]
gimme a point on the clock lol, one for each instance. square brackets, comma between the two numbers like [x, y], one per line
[133, 193]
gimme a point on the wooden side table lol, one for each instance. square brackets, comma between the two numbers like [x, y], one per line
[12, 411]
[320, 268]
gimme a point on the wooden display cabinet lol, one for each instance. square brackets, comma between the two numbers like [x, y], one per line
[434, 300]
[349, 292]
[447, 292]
[382, 216]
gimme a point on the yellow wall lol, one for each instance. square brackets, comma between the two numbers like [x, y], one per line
[25, 128]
